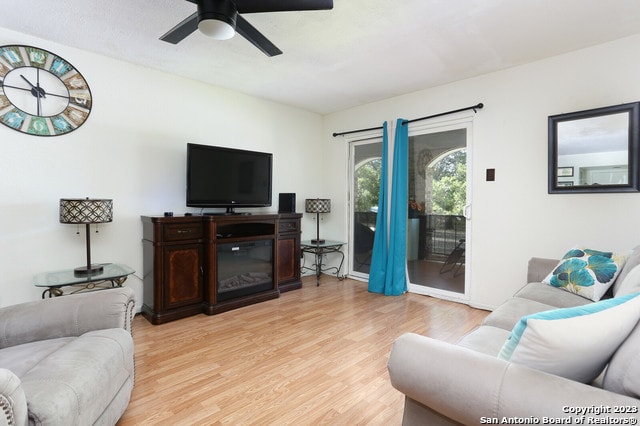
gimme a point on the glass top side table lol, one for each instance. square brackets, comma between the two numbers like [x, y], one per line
[114, 274]
[319, 250]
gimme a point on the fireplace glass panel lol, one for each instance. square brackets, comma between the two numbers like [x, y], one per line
[244, 268]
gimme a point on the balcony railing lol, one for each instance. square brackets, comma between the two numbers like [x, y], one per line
[438, 234]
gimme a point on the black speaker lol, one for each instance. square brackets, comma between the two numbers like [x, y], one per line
[287, 203]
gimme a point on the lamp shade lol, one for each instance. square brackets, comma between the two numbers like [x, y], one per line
[86, 210]
[317, 205]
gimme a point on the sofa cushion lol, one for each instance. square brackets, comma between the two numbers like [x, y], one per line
[21, 359]
[623, 372]
[485, 339]
[575, 343]
[632, 261]
[538, 268]
[75, 384]
[587, 272]
[507, 315]
[550, 295]
[630, 283]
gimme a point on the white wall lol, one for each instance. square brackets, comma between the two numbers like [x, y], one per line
[132, 149]
[514, 218]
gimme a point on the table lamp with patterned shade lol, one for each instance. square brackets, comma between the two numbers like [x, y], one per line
[317, 206]
[86, 211]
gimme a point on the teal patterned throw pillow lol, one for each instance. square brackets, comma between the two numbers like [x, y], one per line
[587, 272]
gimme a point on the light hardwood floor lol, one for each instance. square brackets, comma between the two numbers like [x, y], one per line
[313, 356]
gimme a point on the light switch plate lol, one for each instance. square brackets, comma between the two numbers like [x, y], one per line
[491, 175]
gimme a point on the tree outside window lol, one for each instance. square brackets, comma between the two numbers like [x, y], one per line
[368, 186]
[450, 183]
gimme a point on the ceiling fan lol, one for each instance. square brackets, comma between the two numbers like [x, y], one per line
[220, 19]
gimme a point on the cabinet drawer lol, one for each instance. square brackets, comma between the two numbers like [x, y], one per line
[182, 231]
[288, 226]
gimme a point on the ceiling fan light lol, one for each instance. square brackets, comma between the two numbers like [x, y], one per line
[216, 29]
[217, 18]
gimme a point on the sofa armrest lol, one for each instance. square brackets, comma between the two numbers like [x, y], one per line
[469, 387]
[66, 316]
[539, 268]
[13, 402]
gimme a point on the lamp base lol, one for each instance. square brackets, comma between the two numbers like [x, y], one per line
[317, 241]
[83, 271]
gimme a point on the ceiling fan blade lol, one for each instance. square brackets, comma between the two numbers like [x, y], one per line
[256, 6]
[248, 31]
[182, 30]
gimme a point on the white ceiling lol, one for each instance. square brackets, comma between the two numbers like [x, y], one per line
[362, 51]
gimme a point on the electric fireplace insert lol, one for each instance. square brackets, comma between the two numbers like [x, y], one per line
[244, 268]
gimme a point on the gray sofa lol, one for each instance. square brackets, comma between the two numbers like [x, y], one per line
[67, 360]
[468, 383]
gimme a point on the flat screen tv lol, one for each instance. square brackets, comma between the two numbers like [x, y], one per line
[227, 177]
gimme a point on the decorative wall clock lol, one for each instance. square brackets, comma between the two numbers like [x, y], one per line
[41, 93]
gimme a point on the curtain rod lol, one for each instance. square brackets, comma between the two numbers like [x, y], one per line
[474, 108]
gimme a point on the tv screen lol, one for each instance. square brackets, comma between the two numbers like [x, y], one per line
[227, 177]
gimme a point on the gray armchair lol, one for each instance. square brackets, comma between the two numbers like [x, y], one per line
[67, 360]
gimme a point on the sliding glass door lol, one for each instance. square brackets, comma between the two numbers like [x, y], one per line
[365, 167]
[437, 243]
[439, 205]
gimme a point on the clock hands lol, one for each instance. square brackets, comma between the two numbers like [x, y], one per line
[31, 90]
[36, 90]
[40, 95]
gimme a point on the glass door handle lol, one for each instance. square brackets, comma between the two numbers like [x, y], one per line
[467, 211]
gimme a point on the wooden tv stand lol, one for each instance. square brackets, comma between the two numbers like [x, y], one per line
[181, 272]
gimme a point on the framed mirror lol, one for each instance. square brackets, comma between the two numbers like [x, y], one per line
[595, 150]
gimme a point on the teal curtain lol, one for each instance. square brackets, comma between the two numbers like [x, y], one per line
[388, 263]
